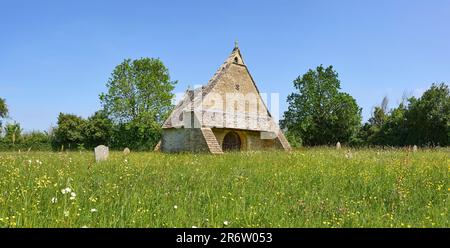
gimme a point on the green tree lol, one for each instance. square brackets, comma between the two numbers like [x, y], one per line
[372, 130]
[138, 101]
[422, 121]
[3, 110]
[393, 132]
[136, 88]
[98, 130]
[69, 132]
[318, 112]
[12, 132]
[139, 134]
[428, 117]
[37, 140]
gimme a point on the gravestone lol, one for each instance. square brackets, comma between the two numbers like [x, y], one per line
[338, 145]
[101, 153]
[126, 151]
[414, 148]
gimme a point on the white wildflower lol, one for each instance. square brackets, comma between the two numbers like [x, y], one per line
[29, 161]
[54, 200]
[66, 190]
[194, 227]
[175, 207]
[72, 196]
[93, 210]
[66, 213]
[226, 223]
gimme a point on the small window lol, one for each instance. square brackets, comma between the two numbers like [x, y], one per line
[236, 86]
[180, 117]
[236, 60]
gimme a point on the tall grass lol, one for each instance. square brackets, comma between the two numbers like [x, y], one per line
[306, 188]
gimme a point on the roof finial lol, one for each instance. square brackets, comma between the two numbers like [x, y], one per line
[235, 44]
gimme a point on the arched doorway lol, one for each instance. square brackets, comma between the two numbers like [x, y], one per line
[231, 142]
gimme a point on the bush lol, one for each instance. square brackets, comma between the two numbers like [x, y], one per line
[36, 141]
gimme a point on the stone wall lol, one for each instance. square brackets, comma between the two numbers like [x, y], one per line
[193, 140]
[250, 140]
[183, 140]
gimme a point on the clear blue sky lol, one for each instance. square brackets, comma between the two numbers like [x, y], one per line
[56, 56]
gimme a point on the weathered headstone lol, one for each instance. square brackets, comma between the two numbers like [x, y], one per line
[126, 151]
[101, 153]
[414, 148]
[338, 145]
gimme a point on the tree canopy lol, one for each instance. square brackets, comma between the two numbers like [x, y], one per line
[318, 113]
[13, 132]
[421, 121]
[69, 132]
[3, 110]
[138, 88]
[428, 117]
[138, 101]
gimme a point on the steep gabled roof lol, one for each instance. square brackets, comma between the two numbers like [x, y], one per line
[265, 123]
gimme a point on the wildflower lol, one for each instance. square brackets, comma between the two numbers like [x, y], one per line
[72, 196]
[226, 223]
[54, 200]
[93, 210]
[66, 213]
[66, 190]
[29, 161]
[84, 226]
[349, 154]
[175, 207]
[194, 227]
[38, 162]
[126, 160]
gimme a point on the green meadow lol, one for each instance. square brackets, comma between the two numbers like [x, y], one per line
[315, 187]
